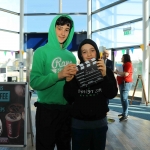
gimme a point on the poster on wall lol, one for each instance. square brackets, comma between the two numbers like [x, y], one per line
[13, 112]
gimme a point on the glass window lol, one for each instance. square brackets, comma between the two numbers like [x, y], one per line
[80, 23]
[115, 37]
[9, 41]
[9, 21]
[12, 5]
[52, 6]
[97, 4]
[117, 14]
[6, 58]
[137, 61]
[137, 67]
[39, 6]
[42, 23]
[75, 6]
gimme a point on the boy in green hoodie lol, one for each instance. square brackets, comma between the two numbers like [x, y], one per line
[52, 63]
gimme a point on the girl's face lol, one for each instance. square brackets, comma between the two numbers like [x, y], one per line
[122, 59]
[88, 52]
[62, 33]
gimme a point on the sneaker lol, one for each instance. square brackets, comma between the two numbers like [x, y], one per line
[123, 118]
[120, 115]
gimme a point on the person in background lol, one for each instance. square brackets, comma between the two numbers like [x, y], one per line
[89, 105]
[52, 63]
[125, 80]
[108, 62]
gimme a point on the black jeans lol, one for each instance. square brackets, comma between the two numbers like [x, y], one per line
[53, 127]
[89, 139]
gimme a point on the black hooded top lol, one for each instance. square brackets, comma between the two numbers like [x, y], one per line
[88, 41]
[90, 103]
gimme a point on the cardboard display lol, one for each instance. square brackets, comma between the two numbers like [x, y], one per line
[13, 114]
[88, 73]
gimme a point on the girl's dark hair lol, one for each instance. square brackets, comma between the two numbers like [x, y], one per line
[126, 58]
[64, 21]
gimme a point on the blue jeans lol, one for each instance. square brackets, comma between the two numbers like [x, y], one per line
[124, 89]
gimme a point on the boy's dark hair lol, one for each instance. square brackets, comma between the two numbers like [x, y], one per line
[64, 20]
[126, 58]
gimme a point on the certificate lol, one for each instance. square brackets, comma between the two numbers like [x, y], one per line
[119, 67]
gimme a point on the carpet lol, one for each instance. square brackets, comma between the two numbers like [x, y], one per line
[137, 109]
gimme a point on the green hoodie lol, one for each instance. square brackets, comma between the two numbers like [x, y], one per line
[48, 61]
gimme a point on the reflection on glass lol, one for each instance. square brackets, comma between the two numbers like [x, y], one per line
[97, 4]
[11, 38]
[117, 14]
[137, 70]
[9, 21]
[115, 37]
[12, 5]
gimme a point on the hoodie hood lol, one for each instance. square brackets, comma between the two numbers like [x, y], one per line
[53, 42]
[91, 42]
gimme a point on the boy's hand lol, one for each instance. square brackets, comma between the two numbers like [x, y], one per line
[67, 71]
[101, 66]
[69, 78]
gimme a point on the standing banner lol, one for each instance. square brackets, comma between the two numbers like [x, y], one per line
[13, 114]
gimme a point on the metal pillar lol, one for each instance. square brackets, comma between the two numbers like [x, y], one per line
[29, 57]
[60, 6]
[21, 65]
[89, 19]
[146, 59]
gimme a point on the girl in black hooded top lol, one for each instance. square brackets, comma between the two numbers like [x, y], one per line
[89, 105]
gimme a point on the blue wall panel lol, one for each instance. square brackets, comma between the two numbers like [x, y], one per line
[35, 40]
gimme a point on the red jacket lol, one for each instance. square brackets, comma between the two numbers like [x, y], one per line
[127, 67]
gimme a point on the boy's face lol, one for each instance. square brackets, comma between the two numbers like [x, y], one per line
[88, 52]
[62, 33]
